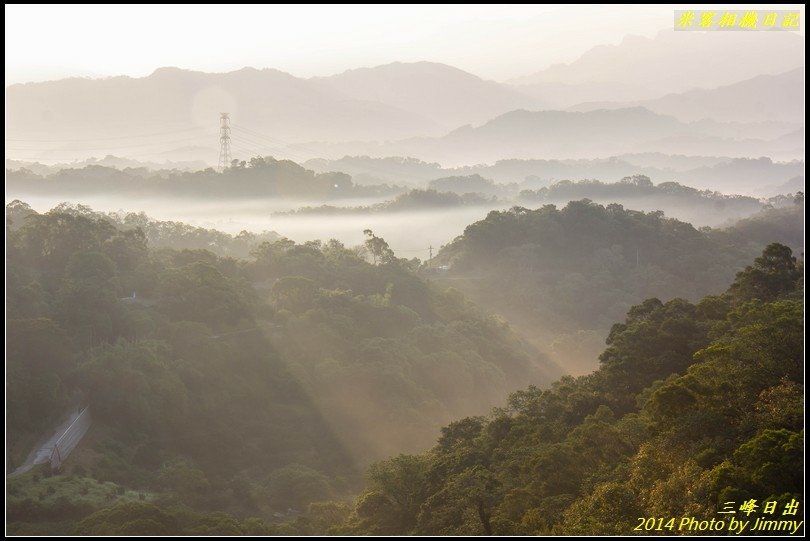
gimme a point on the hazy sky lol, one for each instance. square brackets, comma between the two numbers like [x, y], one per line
[496, 42]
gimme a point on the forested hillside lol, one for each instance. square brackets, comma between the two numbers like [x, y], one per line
[249, 386]
[694, 407]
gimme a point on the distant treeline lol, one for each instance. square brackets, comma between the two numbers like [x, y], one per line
[636, 186]
[260, 177]
[730, 175]
[531, 180]
[413, 200]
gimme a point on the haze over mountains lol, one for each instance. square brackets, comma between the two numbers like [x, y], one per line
[752, 176]
[171, 98]
[759, 99]
[592, 134]
[743, 99]
[645, 68]
[446, 95]
[387, 102]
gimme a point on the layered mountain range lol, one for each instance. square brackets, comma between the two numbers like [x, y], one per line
[741, 98]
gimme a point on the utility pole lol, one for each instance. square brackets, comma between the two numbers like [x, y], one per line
[224, 141]
[431, 251]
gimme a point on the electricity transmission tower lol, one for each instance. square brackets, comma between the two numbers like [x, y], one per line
[224, 141]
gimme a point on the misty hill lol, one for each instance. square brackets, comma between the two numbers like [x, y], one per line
[795, 184]
[565, 134]
[370, 170]
[749, 176]
[771, 223]
[756, 177]
[762, 98]
[378, 178]
[373, 170]
[581, 266]
[761, 176]
[698, 207]
[446, 95]
[647, 68]
[474, 183]
[412, 201]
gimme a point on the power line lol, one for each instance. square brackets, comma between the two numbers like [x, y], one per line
[253, 147]
[262, 145]
[274, 140]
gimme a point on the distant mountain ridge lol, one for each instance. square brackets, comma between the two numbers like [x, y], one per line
[436, 112]
[446, 95]
[171, 98]
[641, 68]
[523, 134]
[761, 98]
[387, 102]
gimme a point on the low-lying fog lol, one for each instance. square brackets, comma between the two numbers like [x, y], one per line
[410, 234]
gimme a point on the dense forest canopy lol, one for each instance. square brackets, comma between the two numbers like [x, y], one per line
[694, 407]
[305, 360]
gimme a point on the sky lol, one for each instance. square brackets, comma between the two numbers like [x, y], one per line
[496, 42]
